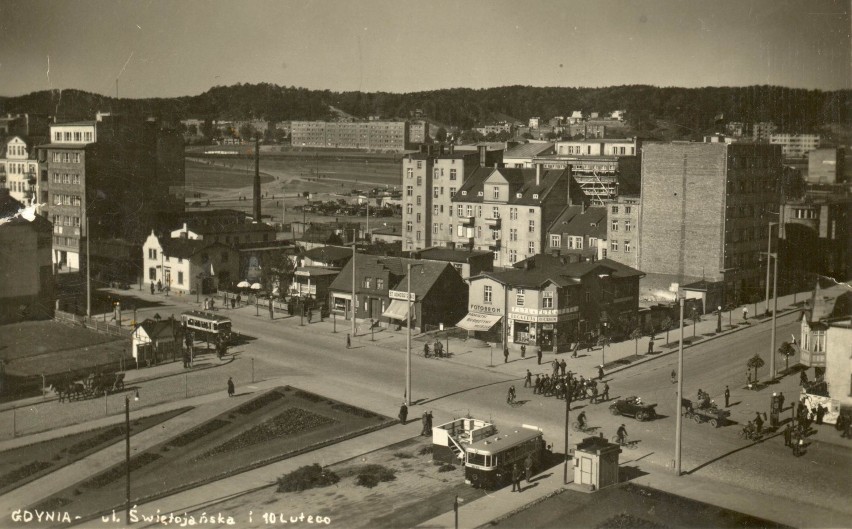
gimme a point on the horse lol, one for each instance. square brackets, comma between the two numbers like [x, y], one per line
[65, 389]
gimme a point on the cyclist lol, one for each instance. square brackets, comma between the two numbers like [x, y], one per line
[581, 420]
[621, 434]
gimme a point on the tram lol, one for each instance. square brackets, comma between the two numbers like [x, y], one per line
[207, 326]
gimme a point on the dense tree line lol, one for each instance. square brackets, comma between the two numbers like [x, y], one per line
[690, 111]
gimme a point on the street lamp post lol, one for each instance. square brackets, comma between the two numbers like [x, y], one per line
[774, 321]
[678, 414]
[408, 338]
[127, 453]
[768, 253]
[568, 394]
[719, 318]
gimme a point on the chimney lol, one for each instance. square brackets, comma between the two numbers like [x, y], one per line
[537, 174]
[452, 147]
[529, 264]
[483, 151]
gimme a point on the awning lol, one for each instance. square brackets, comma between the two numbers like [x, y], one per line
[478, 322]
[397, 310]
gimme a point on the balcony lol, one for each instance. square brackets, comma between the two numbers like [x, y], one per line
[495, 245]
[493, 223]
[466, 220]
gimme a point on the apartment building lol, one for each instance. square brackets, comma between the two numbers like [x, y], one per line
[704, 213]
[366, 135]
[21, 170]
[623, 230]
[761, 131]
[579, 232]
[795, 145]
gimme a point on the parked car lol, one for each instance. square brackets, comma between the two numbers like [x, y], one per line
[634, 407]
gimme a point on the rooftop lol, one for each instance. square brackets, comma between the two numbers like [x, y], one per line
[528, 150]
[580, 221]
[450, 255]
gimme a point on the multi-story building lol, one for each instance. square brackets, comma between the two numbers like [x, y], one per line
[522, 156]
[534, 122]
[815, 238]
[827, 306]
[795, 145]
[548, 302]
[587, 130]
[761, 131]
[418, 131]
[430, 180]
[735, 129]
[496, 128]
[125, 175]
[508, 211]
[366, 135]
[623, 230]
[189, 265]
[603, 168]
[19, 164]
[704, 213]
[579, 232]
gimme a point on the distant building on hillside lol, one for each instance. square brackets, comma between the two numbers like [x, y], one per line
[364, 135]
[795, 145]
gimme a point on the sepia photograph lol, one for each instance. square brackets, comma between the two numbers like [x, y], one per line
[433, 264]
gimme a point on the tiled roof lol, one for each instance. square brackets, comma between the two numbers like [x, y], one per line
[520, 181]
[328, 253]
[423, 277]
[573, 220]
[830, 303]
[159, 328]
[185, 248]
[450, 255]
[549, 268]
[528, 150]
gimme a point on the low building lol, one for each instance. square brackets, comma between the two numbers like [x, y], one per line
[826, 166]
[326, 256]
[312, 282]
[795, 145]
[387, 234]
[155, 341]
[467, 262]
[232, 233]
[838, 364]
[522, 156]
[189, 266]
[381, 288]
[547, 302]
[26, 269]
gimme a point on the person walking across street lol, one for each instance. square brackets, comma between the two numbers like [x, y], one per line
[788, 435]
[230, 387]
[727, 396]
[562, 367]
[600, 372]
[538, 354]
[528, 379]
[516, 478]
[348, 341]
[528, 468]
[505, 355]
[605, 394]
[403, 413]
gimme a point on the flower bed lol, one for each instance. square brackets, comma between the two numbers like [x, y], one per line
[101, 438]
[118, 471]
[352, 410]
[307, 477]
[198, 432]
[291, 421]
[22, 472]
[260, 402]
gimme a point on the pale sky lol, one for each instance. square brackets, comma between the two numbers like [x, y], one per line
[171, 48]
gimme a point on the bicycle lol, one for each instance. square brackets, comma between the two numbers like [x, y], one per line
[622, 441]
[585, 428]
[510, 398]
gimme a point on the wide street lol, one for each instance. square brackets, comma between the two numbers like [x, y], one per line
[372, 374]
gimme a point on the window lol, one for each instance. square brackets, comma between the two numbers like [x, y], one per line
[468, 210]
[613, 246]
[419, 180]
[87, 136]
[409, 172]
[418, 235]
[419, 164]
[180, 278]
[614, 225]
[555, 240]
[495, 212]
[513, 213]
[419, 200]
[452, 174]
[460, 210]
[615, 209]
[409, 191]
[479, 211]
[513, 234]
[368, 282]
[479, 231]
[486, 294]
[418, 218]
[435, 192]
[495, 235]
[519, 299]
[435, 173]
[78, 136]
[56, 178]
[626, 246]
[495, 193]
[409, 208]
[513, 256]
[627, 225]
[547, 300]
[452, 192]
[152, 253]
[435, 209]
[435, 228]
[380, 283]
[75, 179]
[628, 210]
[409, 226]
[67, 136]
[152, 272]
[58, 137]
[532, 226]
[531, 249]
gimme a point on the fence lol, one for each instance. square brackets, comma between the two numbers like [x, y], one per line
[51, 414]
[102, 327]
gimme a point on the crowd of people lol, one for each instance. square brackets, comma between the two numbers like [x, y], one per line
[563, 385]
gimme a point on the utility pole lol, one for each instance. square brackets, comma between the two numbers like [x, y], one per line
[772, 351]
[352, 303]
[88, 273]
[568, 395]
[678, 414]
[768, 264]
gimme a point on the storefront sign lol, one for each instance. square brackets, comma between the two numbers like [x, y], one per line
[544, 312]
[401, 294]
[302, 273]
[484, 309]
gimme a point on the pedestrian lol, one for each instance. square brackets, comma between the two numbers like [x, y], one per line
[562, 367]
[523, 351]
[348, 341]
[528, 379]
[800, 445]
[600, 372]
[516, 478]
[820, 413]
[727, 396]
[537, 386]
[239, 298]
[230, 387]
[555, 366]
[505, 355]
[528, 463]
[538, 354]
[745, 313]
[212, 303]
[674, 376]
[423, 420]
[403, 413]
[788, 435]
[159, 286]
[650, 346]
[605, 395]
[152, 288]
[758, 422]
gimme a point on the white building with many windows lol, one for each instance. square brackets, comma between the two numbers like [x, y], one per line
[185, 265]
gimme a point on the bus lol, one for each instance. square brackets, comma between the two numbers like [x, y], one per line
[206, 326]
[488, 462]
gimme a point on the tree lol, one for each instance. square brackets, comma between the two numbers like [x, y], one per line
[527, 135]
[730, 308]
[755, 362]
[786, 350]
[636, 334]
[441, 135]
[695, 317]
[192, 129]
[666, 325]
[247, 131]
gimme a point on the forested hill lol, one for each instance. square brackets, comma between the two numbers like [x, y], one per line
[690, 109]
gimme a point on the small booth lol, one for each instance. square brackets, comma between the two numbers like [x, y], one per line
[448, 438]
[596, 463]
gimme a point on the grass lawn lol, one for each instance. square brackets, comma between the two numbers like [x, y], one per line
[32, 338]
[22, 465]
[284, 422]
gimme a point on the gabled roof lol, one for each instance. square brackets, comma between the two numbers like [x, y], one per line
[834, 302]
[439, 253]
[520, 181]
[328, 253]
[186, 248]
[159, 328]
[539, 269]
[423, 277]
[577, 221]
